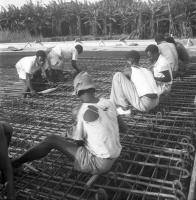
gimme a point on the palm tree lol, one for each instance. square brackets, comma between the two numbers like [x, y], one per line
[141, 19]
[91, 17]
[124, 13]
[108, 8]
[57, 10]
[78, 9]
[184, 17]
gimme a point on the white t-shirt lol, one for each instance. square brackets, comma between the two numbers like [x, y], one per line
[161, 65]
[66, 52]
[168, 50]
[144, 81]
[26, 65]
[101, 136]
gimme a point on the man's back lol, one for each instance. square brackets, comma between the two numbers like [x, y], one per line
[67, 52]
[26, 65]
[144, 81]
[168, 50]
[27, 62]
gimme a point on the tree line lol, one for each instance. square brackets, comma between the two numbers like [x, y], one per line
[136, 18]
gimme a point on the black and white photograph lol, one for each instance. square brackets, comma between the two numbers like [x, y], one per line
[97, 100]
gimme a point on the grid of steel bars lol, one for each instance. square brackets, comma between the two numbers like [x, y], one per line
[158, 152]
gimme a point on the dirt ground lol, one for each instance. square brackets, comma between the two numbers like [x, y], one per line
[99, 45]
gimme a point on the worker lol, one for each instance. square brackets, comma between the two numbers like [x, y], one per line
[59, 55]
[134, 86]
[28, 69]
[95, 143]
[183, 55]
[168, 50]
[161, 69]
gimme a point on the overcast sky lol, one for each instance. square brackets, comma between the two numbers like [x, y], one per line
[19, 3]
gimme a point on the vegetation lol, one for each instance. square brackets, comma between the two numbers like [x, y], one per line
[134, 18]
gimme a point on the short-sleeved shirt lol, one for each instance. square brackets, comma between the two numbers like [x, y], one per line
[26, 65]
[144, 81]
[66, 52]
[161, 65]
[168, 50]
[61, 54]
[101, 136]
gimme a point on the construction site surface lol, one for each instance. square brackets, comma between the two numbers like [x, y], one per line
[157, 161]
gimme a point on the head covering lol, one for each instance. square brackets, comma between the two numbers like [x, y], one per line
[82, 81]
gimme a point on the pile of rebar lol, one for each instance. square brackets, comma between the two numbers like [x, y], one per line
[158, 152]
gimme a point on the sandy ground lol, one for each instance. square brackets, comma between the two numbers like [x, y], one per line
[106, 45]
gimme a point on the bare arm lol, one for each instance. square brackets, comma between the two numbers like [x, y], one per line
[5, 165]
[123, 128]
[29, 82]
[166, 78]
[74, 65]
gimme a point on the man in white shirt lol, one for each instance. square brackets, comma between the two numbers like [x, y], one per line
[135, 86]
[161, 69]
[183, 55]
[27, 67]
[96, 134]
[168, 50]
[60, 54]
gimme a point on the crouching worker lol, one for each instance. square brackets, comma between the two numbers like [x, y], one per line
[135, 86]
[161, 69]
[28, 68]
[95, 144]
[57, 58]
[5, 163]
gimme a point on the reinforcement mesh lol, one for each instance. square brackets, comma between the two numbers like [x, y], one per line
[158, 151]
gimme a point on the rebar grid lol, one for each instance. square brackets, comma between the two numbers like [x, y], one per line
[158, 150]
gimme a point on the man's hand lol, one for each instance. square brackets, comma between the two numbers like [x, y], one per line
[33, 92]
[123, 128]
[43, 74]
[166, 77]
